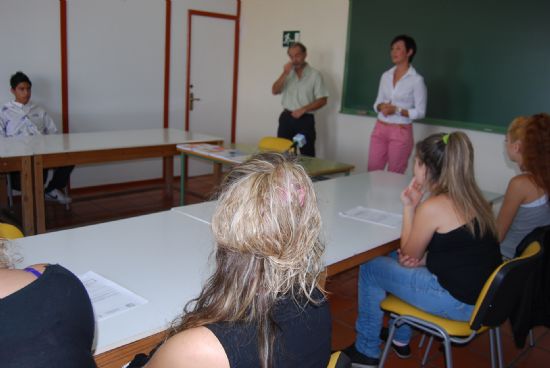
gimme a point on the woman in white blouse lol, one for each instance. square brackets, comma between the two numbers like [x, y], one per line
[401, 99]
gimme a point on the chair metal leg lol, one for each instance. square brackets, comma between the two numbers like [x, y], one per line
[493, 350]
[499, 347]
[387, 345]
[10, 193]
[427, 351]
[448, 354]
[422, 339]
[531, 338]
[67, 205]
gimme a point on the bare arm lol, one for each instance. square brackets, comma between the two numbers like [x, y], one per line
[421, 227]
[513, 198]
[197, 347]
[418, 222]
[278, 85]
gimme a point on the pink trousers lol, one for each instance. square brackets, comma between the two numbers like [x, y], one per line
[390, 144]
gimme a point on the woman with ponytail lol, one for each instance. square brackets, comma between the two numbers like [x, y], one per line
[448, 247]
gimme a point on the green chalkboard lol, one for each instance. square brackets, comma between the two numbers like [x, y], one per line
[484, 61]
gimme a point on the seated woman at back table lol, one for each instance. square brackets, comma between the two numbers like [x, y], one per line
[262, 307]
[448, 247]
[526, 205]
[46, 317]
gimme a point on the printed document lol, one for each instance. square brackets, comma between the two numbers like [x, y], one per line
[374, 216]
[108, 298]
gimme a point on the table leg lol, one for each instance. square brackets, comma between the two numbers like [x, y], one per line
[218, 172]
[27, 201]
[39, 195]
[168, 162]
[182, 179]
[4, 191]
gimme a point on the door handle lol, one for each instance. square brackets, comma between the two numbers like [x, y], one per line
[192, 98]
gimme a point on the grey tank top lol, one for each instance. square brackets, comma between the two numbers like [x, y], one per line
[526, 220]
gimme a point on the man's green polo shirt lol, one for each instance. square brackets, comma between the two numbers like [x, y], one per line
[299, 92]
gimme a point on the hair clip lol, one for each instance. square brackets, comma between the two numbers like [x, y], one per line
[445, 138]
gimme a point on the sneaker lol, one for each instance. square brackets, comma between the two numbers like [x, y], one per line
[57, 196]
[402, 352]
[360, 360]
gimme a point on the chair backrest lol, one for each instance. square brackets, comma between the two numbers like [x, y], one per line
[540, 234]
[503, 289]
[274, 144]
[8, 231]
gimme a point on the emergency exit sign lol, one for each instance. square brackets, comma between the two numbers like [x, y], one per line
[289, 37]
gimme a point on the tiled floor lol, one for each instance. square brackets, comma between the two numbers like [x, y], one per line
[90, 207]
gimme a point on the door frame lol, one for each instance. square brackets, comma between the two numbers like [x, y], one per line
[236, 18]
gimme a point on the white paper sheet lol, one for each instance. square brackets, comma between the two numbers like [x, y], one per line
[108, 298]
[374, 216]
[229, 154]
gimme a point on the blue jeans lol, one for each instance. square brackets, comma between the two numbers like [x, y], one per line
[416, 286]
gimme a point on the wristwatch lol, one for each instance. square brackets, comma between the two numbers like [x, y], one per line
[398, 110]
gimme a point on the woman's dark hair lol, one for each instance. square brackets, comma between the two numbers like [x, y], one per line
[19, 77]
[410, 44]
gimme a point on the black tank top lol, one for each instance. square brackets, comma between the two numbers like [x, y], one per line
[303, 339]
[463, 262]
[48, 323]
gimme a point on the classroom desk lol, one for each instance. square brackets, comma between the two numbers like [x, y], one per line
[349, 243]
[314, 166]
[57, 150]
[162, 257]
[172, 248]
[16, 155]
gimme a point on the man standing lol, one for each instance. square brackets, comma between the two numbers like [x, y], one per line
[21, 117]
[303, 93]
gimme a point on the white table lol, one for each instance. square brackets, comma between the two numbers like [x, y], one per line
[58, 150]
[314, 166]
[162, 257]
[16, 155]
[348, 242]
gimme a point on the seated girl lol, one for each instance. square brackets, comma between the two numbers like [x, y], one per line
[46, 317]
[526, 205]
[448, 247]
[262, 306]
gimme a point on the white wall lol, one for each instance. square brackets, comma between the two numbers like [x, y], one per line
[29, 41]
[115, 67]
[116, 73]
[116, 61]
[323, 26]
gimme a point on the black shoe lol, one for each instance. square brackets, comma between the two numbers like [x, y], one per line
[359, 359]
[402, 352]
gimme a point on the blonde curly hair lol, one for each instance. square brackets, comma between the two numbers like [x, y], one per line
[266, 226]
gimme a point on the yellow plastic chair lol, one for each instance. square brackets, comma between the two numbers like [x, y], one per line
[8, 231]
[494, 304]
[339, 360]
[274, 144]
